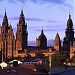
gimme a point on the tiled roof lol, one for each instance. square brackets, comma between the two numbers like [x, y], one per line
[28, 66]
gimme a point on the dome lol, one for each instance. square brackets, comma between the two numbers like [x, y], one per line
[42, 36]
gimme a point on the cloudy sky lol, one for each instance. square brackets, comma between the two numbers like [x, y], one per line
[52, 15]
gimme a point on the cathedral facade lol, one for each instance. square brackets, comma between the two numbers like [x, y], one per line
[10, 46]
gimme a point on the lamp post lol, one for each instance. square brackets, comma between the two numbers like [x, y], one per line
[50, 64]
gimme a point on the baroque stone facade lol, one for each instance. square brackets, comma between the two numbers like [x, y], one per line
[8, 44]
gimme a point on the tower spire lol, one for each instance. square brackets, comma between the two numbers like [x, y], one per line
[5, 13]
[42, 31]
[69, 15]
[22, 18]
[57, 36]
[5, 19]
[22, 11]
[5, 10]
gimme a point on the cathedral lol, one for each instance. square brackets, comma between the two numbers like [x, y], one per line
[10, 46]
[16, 45]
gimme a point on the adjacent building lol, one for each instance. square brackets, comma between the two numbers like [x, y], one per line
[57, 42]
[41, 41]
[69, 37]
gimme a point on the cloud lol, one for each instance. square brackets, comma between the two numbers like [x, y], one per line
[51, 21]
[12, 1]
[65, 4]
[1, 0]
[55, 29]
[15, 1]
[22, 1]
[39, 1]
[37, 19]
[33, 19]
[14, 18]
[45, 30]
[55, 25]
[49, 1]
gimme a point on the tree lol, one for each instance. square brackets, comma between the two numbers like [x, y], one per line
[73, 58]
[56, 60]
[47, 64]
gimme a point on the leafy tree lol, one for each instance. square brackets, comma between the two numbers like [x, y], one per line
[47, 64]
[56, 60]
[73, 58]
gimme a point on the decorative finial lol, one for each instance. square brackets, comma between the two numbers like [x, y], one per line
[42, 27]
[22, 11]
[42, 30]
[5, 10]
[69, 15]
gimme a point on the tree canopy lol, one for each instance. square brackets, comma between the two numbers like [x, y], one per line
[56, 60]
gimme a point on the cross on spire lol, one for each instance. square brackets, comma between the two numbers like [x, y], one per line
[42, 31]
[69, 15]
[22, 12]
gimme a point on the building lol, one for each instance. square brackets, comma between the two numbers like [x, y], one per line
[69, 37]
[72, 50]
[21, 35]
[7, 39]
[12, 46]
[8, 44]
[41, 41]
[57, 42]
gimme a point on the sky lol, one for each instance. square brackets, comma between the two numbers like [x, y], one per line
[52, 15]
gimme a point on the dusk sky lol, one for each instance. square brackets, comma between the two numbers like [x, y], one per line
[52, 15]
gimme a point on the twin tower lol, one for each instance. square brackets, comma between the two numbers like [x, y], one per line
[9, 45]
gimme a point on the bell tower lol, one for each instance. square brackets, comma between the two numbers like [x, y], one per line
[57, 42]
[22, 33]
[4, 28]
[69, 36]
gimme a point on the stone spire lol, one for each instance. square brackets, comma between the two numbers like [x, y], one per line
[69, 16]
[5, 19]
[57, 36]
[22, 18]
[42, 32]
